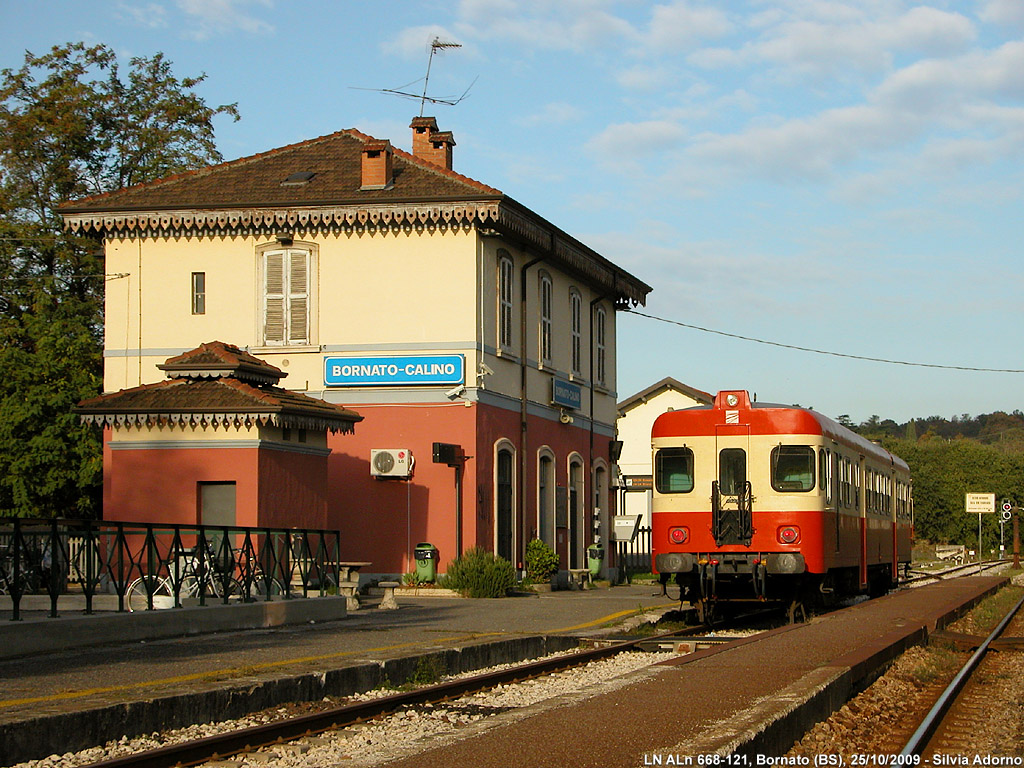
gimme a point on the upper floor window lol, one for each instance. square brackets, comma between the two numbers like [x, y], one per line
[599, 341]
[286, 294]
[198, 293]
[545, 319]
[505, 276]
[576, 312]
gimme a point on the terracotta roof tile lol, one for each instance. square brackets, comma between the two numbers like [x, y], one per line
[335, 160]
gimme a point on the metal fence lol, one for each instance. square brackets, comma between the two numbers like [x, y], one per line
[150, 565]
[634, 556]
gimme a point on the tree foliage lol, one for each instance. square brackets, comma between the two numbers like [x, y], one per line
[950, 458]
[71, 126]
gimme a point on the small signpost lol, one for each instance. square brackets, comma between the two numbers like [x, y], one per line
[980, 504]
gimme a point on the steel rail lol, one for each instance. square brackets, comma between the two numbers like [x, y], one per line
[248, 739]
[928, 726]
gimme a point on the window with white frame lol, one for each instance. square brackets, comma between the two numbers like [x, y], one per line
[599, 340]
[286, 296]
[544, 335]
[505, 275]
[576, 311]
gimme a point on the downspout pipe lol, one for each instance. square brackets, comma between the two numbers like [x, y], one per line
[519, 551]
[589, 535]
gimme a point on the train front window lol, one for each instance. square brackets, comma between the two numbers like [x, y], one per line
[732, 471]
[793, 468]
[673, 470]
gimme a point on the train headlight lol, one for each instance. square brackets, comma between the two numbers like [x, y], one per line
[678, 535]
[789, 534]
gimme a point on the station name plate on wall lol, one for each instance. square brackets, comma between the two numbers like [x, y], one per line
[403, 371]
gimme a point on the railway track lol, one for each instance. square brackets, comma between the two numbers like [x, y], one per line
[965, 707]
[304, 726]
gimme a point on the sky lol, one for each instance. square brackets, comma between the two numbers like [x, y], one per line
[839, 175]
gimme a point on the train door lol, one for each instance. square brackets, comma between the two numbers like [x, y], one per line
[731, 514]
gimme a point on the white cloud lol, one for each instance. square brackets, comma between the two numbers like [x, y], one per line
[151, 15]
[215, 17]
[683, 25]
[835, 42]
[555, 113]
[1008, 12]
[568, 25]
[621, 146]
[645, 78]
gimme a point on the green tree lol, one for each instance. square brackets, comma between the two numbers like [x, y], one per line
[72, 126]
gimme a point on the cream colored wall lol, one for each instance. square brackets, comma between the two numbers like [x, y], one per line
[372, 289]
[381, 291]
[205, 434]
[146, 434]
[507, 367]
[634, 429]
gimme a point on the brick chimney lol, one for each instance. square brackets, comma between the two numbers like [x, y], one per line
[430, 144]
[377, 165]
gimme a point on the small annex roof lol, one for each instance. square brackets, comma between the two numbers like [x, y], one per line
[215, 359]
[317, 186]
[216, 384]
[666, 384]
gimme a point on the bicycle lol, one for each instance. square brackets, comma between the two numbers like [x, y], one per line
[188, 578]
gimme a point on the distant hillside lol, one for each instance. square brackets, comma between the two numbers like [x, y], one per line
[1001, 430]
[949, 458]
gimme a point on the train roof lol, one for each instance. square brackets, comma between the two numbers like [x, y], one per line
[764, 419]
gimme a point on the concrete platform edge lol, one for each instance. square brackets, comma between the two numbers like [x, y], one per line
[57, 734]
[46, 635]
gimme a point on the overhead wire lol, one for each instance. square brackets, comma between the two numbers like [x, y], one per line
[822, 351]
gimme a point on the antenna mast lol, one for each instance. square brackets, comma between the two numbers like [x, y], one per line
[435, 45]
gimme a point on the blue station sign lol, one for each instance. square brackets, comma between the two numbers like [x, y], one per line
[565, 394]
[410, 370]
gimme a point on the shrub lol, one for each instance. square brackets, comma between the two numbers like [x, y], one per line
[478, 573]
[541, 561]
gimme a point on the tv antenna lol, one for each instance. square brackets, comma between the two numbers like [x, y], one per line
[437, 44]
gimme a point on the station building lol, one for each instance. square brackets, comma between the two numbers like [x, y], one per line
[444, 313]
[636, 416]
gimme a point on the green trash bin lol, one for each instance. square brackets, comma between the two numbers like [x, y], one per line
[595, 559]
[426, 562]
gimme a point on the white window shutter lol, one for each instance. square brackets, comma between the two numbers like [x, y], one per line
[298, 298]
[273, 298]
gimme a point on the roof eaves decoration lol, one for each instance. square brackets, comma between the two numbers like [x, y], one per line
[231, 221]
[617, 284]
[213, 419]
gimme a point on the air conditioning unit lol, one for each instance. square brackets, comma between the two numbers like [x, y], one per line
[391, 462]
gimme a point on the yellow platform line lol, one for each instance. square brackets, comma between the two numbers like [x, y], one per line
[250, 668]
[612, 617]
[227, 673]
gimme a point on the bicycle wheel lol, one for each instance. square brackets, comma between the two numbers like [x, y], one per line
[137, 595]
[262, 588]
[217, 585]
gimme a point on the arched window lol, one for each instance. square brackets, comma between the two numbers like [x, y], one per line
[504, 500]
[576, 342]
[546, 497]
[544, 329]
[505, 281]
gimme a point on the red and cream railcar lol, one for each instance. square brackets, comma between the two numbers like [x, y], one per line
[754, 501]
